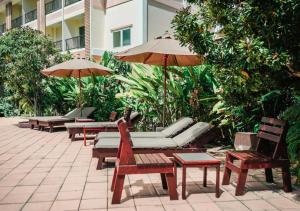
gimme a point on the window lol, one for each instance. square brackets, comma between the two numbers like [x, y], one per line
[122, 37]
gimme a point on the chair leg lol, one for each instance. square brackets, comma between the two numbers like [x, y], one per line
[172, 186]
[113, 182]
[227, 171]
[204, 176]
[269, 175]
[218, 182]
[240, 187]
[100, 163]
[286, 177]
[164, 181]
[116, 198]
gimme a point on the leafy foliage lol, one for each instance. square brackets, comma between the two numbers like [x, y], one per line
[254, 47]
[24, 52]
[190, 92]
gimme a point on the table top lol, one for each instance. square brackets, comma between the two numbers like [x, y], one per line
[196, 158]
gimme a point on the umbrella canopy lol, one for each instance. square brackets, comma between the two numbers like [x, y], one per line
[154, 51]
[77, 68]
[163, 51]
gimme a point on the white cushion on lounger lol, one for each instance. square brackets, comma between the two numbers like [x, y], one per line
[159, 143]
[191, 134]
[176, 127]
[168, 132]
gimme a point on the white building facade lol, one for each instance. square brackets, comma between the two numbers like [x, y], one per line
[89, 27]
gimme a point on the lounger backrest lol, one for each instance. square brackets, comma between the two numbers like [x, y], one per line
[86, 111]
[177, 127]
[191, 134]
[73, 113]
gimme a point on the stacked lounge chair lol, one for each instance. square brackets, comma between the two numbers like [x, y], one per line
[78, 127]
[51, 121]
[192, 139]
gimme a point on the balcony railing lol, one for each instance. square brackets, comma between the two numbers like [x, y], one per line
[52, 6]
[2, 28]
[30, 16]
[75, 42]
[16, 22]
[69, 2]
[58, 45]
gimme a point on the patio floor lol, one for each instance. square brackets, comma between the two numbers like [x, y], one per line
[45, 171]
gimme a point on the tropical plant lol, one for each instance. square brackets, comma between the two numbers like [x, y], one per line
[24, 52]
[254, 47]
[189, 91]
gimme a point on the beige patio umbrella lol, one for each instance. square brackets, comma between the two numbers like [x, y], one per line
[163, 51]
[77, 68]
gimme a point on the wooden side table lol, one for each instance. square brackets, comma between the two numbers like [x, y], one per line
[198, 160]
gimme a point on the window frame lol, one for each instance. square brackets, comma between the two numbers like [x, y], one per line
[121, 31]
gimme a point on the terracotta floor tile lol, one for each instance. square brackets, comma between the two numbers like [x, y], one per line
[150, 208]
[94, 194]
[232, 205]
[258, 205]
[210, 206]
[65, 205]
[39, 206]
[178, 207]
[93, 203]
[10, 207]
[283, 203]
[43, 196]
[4, 191]
[68, 195]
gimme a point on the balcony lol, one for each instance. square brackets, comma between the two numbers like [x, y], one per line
[58, 45]
[16, 22]
[2, 28]
[52, 6]
[75, 43]
[69, 2]
[31, 16]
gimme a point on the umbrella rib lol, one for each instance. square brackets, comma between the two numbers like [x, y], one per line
[147, 58]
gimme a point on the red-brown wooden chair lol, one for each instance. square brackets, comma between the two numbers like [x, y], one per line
[129, 163]
[271, 152]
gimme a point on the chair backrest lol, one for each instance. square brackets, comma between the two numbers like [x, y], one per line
[177, 127]
[113, 116]
[191, 134]
[125, 153]
[271, 138]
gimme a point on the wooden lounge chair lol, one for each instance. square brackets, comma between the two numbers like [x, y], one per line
[191, 140]
[51, 121]
[270, 153]
[95, 127]
[129, 163]
[169, 132]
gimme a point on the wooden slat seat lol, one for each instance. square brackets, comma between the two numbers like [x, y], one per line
[155, 160]
[249, 156]
[270, 152]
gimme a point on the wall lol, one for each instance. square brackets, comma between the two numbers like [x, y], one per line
[72, 25]
[156, 24]
[122, 15]
[54, 32]
[97, 25]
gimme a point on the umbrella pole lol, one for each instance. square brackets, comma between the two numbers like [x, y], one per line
[165, 88]
[80, 95]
